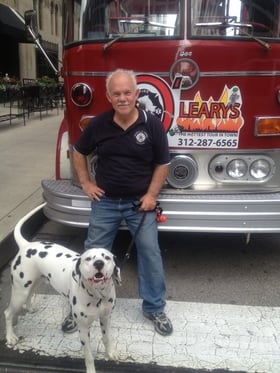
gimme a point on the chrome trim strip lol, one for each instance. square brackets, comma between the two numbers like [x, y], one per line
[105, 73]
[211, 74]
[206, 74]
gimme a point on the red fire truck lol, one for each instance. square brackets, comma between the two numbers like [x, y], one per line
[210, 70]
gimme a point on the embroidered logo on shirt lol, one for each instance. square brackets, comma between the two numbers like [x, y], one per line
[141, 137]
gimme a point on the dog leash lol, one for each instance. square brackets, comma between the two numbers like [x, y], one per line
[160, 218]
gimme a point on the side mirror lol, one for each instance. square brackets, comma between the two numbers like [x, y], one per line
[30, 17]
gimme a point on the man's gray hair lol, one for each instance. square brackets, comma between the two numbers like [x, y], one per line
[130, 73]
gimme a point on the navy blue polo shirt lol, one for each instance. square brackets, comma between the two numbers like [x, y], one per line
[126, 158]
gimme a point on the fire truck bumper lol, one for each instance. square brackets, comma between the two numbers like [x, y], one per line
[185, 212]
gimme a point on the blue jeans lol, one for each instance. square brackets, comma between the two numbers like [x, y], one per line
[105, 219]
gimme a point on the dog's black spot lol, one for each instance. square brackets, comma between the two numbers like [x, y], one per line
[77, 258]
[49, 275]
[27, 284]
[83, 285]
[106, 257]
[98, 303]
[83, 315]
[91, 295]
[58, 255]
[103, 332]
[110, 300]
[43, 254]
[74, 301]
[78, 267]
[31, 252]
[48, 246]
[89, 304]
[101, 323]
[21, 275]
[68, 256]
[74, 276]
[63, 270]
[17, 262]
[83, 343]
[75, 315]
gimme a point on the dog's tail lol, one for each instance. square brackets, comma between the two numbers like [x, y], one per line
[20, 240]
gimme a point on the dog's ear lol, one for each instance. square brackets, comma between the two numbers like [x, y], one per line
[117, 273]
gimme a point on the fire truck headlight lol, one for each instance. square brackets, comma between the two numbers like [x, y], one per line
[242, 168]
[183, 171]
[237, 168]
[81, 94]
[260, 169]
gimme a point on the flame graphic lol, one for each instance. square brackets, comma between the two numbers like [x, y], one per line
[214, 122]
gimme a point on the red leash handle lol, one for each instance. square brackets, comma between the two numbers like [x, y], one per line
[160, 218]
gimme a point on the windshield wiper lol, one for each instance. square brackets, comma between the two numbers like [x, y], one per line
[261, 42]
[108, 45]
[111, 42]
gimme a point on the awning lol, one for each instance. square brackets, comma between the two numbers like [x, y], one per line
[12, 23]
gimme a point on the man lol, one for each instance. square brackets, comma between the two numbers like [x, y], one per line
[132, 165]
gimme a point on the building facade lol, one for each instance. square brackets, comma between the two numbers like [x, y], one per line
[24, 60]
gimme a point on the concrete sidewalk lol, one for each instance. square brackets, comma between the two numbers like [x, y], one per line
[27, 156]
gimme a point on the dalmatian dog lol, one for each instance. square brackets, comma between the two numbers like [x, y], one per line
[86, 280]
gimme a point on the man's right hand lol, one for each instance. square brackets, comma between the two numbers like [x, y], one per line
[92, 190]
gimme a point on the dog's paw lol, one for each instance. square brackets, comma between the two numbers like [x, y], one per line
[30, 308]
[12, 340]
[112, 354]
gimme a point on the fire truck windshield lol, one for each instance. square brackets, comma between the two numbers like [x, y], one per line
[100, 20]
[108, 19]
[234, 18]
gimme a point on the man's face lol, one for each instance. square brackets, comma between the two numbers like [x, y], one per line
[122, 94]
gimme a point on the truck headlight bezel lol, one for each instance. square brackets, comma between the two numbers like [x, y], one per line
[241, 168]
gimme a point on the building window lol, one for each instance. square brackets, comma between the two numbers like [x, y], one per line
[40, 15]
[56, 20]
[52, 18]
